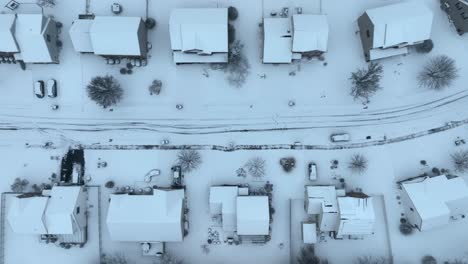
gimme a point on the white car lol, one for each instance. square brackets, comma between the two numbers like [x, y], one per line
[39, 89]
[52, 88]
[340, 137]
[312, 169]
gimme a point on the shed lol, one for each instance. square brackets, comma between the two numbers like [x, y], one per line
[253, 215]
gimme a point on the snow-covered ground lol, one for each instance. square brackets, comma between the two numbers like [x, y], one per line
[400, 121]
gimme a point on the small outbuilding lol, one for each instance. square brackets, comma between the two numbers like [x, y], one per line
[253, 215]
[356, 217]
[389, 30]
[457, 12]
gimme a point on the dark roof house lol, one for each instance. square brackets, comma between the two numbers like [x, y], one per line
[457, 12]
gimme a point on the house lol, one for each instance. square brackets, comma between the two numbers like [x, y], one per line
[110, 36]
[356, 217]
[199, 35]
[288, 39]
[60, 211]
[432, 202]
[321, 201]
[31, 38]
[157, 217]
[457, 12]
[241, 213]
[389, 30]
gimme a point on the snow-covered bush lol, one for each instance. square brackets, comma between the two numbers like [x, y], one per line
[189, 159]
[233, 14]
[116, 258]
[439, 73]
[428, 260]
[19, 185]
[358, 163]
[365, 82]
[372, 260]
[105, 90]
[46, 3]
[455, 261]
[425, 47]
[307, 256]
[256, 167]
[288, 164]
[240, 172]
[231, 34]
[155, 87]
[109, 184]
[150, 23]
[460, 160]
[238, 65]
[168, 258]
[406, 229]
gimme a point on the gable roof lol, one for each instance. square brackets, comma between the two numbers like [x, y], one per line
[223, 201]
[253, 215]
[277, 41]
[321, 199]
[204, 30]
[399, 23]
[80, 35]
[29, 32]
[437, 196]
[146, 218]
[7, 29]
[310, 33]
[60, 209]
[357, 216]
[115, 35]
[26, 215]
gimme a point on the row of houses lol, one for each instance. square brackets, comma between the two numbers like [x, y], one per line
[200, 35]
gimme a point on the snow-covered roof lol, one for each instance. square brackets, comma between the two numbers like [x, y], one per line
[112, 35]
[26, 215]
[201, 31]
[60, 209]
[146, 218]
[309, 233]
[80, 35]
[223, 201]
[321, 199]
[357, 216]
[30, 36]
[277, 43]
[435, 197]
[399, 23]
[253, 215]
[7, 29]
[310, 33]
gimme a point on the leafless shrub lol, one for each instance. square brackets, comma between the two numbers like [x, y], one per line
[116, 258]
[168, 258]
[46, 3]
[19, 185]
[365, 82]
[189, 159]
[155, 87]
[105, 90]
[307, 256]
[358, 163]
[439, 73]
[256, 167]
[372, 260]
[460, 160]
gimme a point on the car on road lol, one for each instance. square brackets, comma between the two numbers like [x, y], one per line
[39, 89]
[312, 171]
[343, 137]
[52, 88]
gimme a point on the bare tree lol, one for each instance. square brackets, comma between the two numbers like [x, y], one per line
[358, 163]
[365, 82]
[105, 90]
[372, 260]
[428, 259]
[439, 73]
[19, 185]
[460, 160]
[307, 256]
[238, 67]
[256, 167]
[45, 3]
[189, 159]
[116, 258]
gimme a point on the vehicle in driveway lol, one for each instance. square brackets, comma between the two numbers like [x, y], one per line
[39, 89]
[312, 171]
[52, 88]
[344, 137]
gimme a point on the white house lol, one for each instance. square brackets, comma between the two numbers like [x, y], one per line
[59, 211]
[110, 36]
[199, 35]
[288, 39]
[389, 30]
[158, 217]
[432, 202]
[241, 214]
[31, 38]
[321, 201]
[356, 216]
